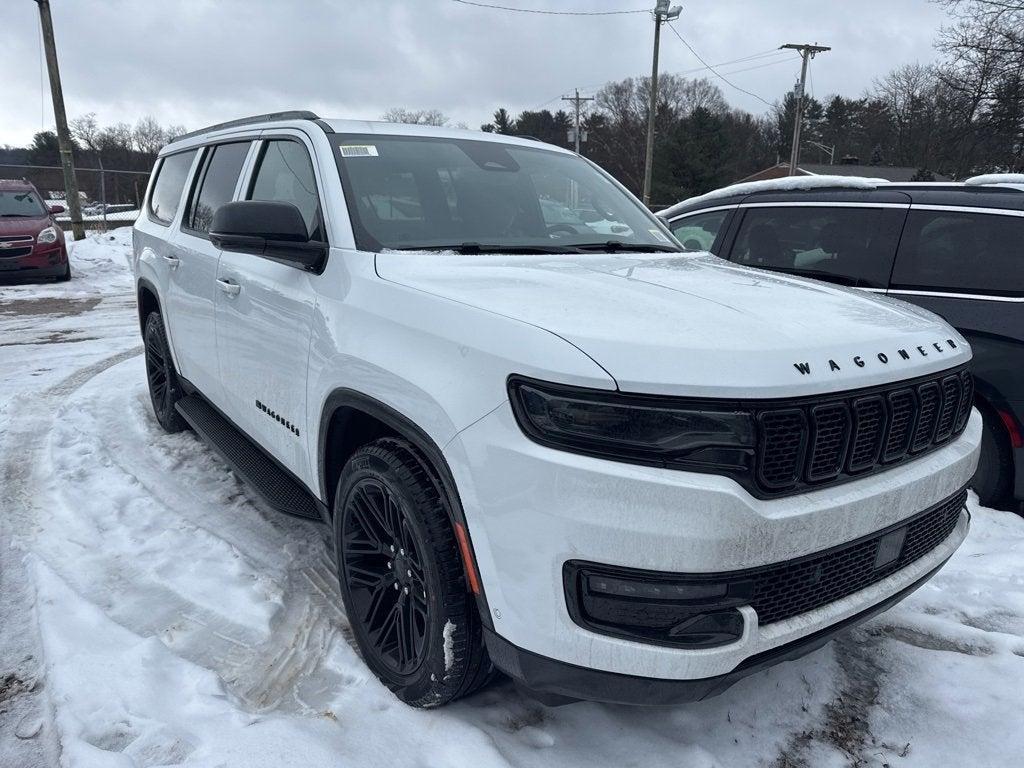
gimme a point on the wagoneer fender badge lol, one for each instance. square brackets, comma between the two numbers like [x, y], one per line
[883, 358]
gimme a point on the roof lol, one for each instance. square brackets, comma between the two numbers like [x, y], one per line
[336, 125]
[899, 173]
[784, 184]
[19, 184]
[887, 172]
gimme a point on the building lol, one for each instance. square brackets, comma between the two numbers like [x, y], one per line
[846, 168]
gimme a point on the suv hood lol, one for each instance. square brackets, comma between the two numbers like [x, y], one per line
[14, 226]
[696, 324]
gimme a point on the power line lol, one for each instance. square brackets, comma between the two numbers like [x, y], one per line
[551, 13]
[714, 71]
[761, 65]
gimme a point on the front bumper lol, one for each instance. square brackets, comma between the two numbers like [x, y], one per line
[531, 509]
[553, 681]
[44, 261]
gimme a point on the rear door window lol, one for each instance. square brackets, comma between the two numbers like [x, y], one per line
[962, 252]
[169, 184]
[699, 231]
[843, 244]
[216, 186]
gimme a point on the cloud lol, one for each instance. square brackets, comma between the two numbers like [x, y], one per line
[202, 61]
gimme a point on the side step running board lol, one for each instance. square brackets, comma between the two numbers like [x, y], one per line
[277, 486]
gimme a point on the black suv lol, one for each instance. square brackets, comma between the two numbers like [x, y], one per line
[956, 249]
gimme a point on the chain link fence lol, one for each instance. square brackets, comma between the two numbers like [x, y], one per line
[109, 197]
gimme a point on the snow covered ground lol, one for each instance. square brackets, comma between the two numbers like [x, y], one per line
[154, 613]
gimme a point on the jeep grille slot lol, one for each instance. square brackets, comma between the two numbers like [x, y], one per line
[815, 441]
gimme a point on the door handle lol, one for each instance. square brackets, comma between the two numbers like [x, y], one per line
[231, 289]
[173, 261]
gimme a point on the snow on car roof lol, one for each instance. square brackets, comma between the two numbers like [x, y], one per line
[777, 185]
[1014, 180]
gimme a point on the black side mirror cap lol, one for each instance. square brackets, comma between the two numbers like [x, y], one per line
[273, 230]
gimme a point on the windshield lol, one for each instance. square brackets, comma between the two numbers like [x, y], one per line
[21, 203]
[423, 193]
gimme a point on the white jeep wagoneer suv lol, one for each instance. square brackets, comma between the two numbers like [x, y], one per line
[547, 440]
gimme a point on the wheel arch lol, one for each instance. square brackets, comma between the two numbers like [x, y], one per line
[369, 419]
[148, 300]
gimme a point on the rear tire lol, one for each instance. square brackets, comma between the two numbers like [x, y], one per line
[164, 387]
[402, 579]
[995, 465]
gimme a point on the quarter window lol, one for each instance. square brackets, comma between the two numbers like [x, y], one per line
[170, 181]
[698, 232]
[846, 245]
[285, 174]
[962, 252]
[217, 184]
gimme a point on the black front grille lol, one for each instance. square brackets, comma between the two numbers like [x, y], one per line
[13, 252]
[788, 589]
[816, 441]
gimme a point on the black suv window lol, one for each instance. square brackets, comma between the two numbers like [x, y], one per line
[698, 232]
[285, 174]
[170, 181]
[216, 186]
[845, 244]
[962, 252]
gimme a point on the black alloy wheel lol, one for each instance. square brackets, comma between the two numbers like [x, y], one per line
[384, 575]
[402, 578]
[164, 389]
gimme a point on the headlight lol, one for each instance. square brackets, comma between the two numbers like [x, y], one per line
[48, 235]
[671, 432]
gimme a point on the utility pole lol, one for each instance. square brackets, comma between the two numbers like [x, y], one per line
[807, 53]
[662, 14]
[577, 101]
[63, 137]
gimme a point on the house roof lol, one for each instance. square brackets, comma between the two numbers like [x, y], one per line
[898, 173]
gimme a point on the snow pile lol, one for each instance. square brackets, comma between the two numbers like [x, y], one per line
[787, 183]
[1001, 179]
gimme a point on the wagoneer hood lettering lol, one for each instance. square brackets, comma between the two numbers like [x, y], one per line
[694, 324]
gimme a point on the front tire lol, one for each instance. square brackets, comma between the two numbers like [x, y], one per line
[992, 479]
[164, 387]
[402, 579]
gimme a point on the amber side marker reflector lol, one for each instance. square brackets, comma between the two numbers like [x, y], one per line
[467, 559]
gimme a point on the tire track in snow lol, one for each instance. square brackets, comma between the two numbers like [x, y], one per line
[265, 671]
[26, 730]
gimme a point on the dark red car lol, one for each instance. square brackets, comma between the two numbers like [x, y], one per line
[31, 241]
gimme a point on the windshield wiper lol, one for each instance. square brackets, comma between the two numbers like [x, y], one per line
[817, 274]
[485, 248]
[19, 215]
[611, 246]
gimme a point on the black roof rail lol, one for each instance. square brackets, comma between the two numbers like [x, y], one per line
[270, 117]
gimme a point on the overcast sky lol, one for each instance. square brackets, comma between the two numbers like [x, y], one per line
[196, 62]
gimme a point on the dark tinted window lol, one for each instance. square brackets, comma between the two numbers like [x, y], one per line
[847, 245]
[217, 183]
[435, 193]
[170, 181]
[698, 232]
[285, 174]
[962, 252]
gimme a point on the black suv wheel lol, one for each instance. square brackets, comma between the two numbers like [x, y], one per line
[402, 579]
[995, 465]
[164, 388]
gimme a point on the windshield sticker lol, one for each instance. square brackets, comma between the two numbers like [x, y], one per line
[358, 150]
[659, 235]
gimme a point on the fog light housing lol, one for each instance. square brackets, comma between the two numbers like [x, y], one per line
[692, 611]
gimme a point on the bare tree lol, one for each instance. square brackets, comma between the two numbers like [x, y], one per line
[148, 135]
[417, 116]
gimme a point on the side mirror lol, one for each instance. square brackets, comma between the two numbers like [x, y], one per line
[55, 208]
[273, 230]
